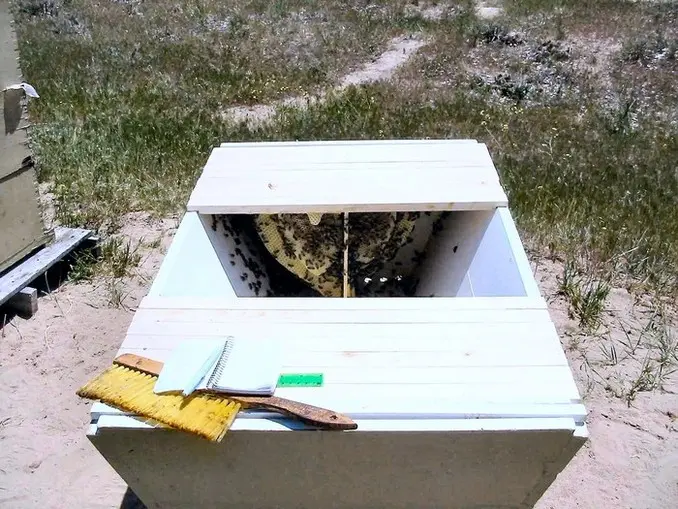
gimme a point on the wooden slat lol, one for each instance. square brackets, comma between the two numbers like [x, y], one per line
[346, 143]
[489, 354]
[447, 304]
[256, 156]
[415, 399]
[66, 239]
[345, 373]
[470, 172]
[391, 318]
[269, 178]
[346, 336]
[536, 417]
[370, 193]
[470, 169]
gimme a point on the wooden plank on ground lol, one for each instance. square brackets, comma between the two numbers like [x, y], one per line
[66, 239]
[24, 303]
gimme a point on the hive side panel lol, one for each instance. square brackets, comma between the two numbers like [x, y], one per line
[494, 270]
[519, 254]
[557, 465]
[449, 254]
[191, 267]
[455, 469]
[240, 258]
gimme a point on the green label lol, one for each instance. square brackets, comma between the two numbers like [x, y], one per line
[300, 380]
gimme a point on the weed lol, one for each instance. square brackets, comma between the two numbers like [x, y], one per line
[586, 296]
[119, 257]
[492, 33]
[647, 49]
[83, 267]
[116, 292]
[648, 361]
[609, 352]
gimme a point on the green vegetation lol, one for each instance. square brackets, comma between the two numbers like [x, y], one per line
[580, 118]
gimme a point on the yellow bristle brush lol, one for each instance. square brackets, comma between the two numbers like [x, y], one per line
[128, 385]
[131, 390]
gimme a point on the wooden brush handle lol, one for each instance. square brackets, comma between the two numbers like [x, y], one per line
[310, 414]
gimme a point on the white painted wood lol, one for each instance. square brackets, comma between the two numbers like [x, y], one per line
[317, 194]
[454, 468]
[447, 304]
[298, 178]
[191, 268]
[349, 336]
[388, 317]
[470, 411]
[234, 157]
[471, 168]
[519, 254]
[553, 466]
[488, 356]
[466, 288]
[346, 143]
[449, 254]
[499, 267]
[343, 375]
[115, 419]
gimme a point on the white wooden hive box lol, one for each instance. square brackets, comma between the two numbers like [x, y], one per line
[460, 387]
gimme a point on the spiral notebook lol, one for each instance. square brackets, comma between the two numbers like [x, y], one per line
[230, 365]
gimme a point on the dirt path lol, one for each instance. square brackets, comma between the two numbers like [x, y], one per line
[382, 68]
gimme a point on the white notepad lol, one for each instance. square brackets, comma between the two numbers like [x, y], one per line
[230, 365]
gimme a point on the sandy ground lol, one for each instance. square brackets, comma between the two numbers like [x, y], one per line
[46, 461]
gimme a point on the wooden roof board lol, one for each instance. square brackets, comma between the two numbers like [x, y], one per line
[409, 357]
[349, 176]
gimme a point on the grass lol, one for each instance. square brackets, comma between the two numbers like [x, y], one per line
[133, 95]
[586, 296]
[658, 363]
[117, 258]
[642, 359]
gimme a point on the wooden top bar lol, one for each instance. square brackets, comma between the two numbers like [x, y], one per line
[348, 176]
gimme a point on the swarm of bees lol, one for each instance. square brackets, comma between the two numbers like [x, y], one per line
[320, 249]
[329, 254]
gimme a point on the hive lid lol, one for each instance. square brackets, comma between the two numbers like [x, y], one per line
[347, 176]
